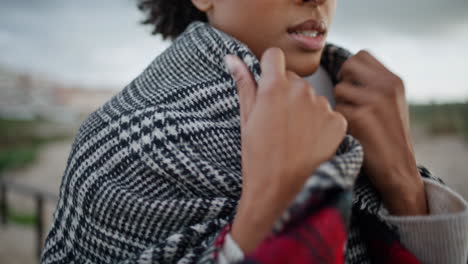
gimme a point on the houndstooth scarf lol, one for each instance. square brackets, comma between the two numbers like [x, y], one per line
[154, 175]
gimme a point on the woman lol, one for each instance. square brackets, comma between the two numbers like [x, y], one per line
[158, 175]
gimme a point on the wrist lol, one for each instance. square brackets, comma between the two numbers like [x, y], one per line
[407, 198]
[256, 214]
[250, 227]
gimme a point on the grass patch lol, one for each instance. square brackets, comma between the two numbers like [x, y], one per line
[20, 141]
[19, 132]
[442, 119]
[22, 218]
[17, 157]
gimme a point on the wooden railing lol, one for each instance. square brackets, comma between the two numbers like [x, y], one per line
[40, 198]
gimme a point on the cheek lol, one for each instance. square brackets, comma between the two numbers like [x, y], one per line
[243, 12]
[331, 8]
[257, 23]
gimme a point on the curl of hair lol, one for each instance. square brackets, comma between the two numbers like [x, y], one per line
[170, 17]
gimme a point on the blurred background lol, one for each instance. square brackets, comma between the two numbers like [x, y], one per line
[61, 59]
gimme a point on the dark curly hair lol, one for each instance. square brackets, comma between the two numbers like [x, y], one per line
[170, 17]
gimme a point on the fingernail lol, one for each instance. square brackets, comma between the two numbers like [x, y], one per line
[229, 63]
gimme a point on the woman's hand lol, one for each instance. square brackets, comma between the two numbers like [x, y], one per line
[373, 101]
[287, 131]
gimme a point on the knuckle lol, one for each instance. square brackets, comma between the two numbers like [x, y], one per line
[340, 122]
[401, 89]
[297, 82]
[338, 91]
[291, 76]
[371, 110]
[275, 81]
[268, 90]
[364, 53]
[346, 67]
[375, 98]
[236, 75]
[239, 78]
[389, 92]
[304, 84]
[399, 83]
[322, 101]
[272, 82]
[313, 98]
[301, 90]
[396, 86]
[360, 53]
[312, 91]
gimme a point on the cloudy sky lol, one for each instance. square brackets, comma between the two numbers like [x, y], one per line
[100, 43]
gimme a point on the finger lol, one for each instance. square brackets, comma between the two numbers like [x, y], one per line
[347, 110]
[348, 93]
[341, 122]
[295, 80]
[292, 76]
[356, 70]
[323, 101]
[245, 83]
[367, 56]
[273, 63]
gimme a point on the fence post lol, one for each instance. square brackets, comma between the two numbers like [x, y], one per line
[39, 223]
[3, 203]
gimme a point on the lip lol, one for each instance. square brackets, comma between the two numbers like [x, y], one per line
[306, 42]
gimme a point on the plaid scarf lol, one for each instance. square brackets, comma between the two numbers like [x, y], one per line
[154, 175]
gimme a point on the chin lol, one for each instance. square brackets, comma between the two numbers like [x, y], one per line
[303, 64]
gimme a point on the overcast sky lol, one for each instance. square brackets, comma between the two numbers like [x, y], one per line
[100, 43]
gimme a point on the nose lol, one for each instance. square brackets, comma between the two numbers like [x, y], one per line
[315, 2]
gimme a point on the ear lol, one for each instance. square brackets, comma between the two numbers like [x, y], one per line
[203, 5]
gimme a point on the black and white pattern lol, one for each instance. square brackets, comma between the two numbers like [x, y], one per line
[155, 173]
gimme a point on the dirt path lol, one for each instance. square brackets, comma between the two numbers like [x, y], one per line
[46, 173]
[18, 243]
[446, 157]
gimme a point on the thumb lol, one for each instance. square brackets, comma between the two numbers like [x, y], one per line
[273, 63]
[246, 85]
